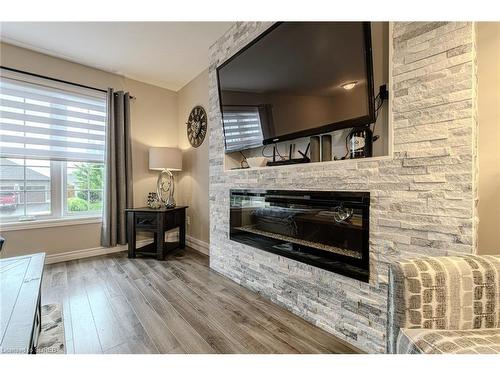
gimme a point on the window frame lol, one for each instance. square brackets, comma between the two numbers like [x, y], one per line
[59, 215]
[49, 223]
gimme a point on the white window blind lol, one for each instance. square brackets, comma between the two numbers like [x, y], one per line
[42, 122]
[242, 128]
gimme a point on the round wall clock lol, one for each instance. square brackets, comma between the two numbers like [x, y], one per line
[197, 126]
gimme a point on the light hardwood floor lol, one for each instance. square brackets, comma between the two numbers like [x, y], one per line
[112, 304]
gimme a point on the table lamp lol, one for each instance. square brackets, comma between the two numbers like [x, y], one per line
[166, 160]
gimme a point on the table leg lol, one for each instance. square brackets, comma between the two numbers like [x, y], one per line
[160, 239]
[182, 231]
[131, 234]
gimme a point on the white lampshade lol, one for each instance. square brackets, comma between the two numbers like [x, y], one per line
[165, 158]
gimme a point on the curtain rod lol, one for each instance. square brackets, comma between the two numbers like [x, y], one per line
[56, 79]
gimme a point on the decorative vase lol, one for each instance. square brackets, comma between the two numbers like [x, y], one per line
[153, 201]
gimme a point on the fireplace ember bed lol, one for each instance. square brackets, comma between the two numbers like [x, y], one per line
[326, 229]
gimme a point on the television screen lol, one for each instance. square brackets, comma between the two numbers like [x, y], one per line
[297, 79]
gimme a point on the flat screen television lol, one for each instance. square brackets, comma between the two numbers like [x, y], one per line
[295, 80]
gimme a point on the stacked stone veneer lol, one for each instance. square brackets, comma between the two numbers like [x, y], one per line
[423, 199]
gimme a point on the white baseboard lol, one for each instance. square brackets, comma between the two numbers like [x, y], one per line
[198, 245]
[194, 243]
[87, 253]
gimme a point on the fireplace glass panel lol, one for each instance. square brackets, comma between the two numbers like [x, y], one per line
[325, 229]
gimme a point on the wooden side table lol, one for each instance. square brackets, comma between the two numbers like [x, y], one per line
[156, 221]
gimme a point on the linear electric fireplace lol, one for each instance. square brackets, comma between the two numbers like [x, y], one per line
[325, 229]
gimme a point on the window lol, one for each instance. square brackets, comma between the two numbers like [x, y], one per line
[52, 142]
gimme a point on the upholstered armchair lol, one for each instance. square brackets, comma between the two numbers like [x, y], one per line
[444, 305]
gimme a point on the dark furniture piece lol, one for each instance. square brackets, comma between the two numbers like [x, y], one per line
[156, 221]
[20, 315]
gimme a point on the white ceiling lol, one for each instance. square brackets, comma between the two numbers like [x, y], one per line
[166, 54]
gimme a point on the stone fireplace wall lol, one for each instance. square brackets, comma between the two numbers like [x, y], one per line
[423, 197]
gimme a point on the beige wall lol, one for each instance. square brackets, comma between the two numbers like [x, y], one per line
[488, 58]
[192, 183]
[154, 123]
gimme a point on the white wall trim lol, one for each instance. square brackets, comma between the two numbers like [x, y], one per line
[49, 223]
[194, 243]
[198, 245]
[87, 253]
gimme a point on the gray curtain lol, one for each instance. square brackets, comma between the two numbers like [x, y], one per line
[118, 184]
